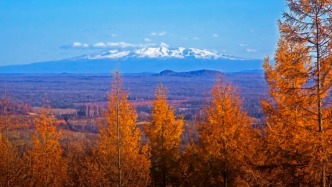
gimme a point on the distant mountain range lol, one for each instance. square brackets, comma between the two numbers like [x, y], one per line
[160, 52]
[149, 59]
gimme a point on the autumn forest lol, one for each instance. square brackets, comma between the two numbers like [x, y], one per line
[221, 146]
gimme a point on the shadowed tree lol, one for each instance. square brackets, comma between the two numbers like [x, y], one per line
[12, 168]
[48, 167]
[164, 134]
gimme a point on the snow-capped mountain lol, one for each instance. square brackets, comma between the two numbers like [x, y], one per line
[161, 52]
[138, 60]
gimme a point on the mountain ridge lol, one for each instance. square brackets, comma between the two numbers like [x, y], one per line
[163, 51]
[195, 73]
[149, 59]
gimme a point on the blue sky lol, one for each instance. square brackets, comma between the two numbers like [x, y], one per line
[41, 30]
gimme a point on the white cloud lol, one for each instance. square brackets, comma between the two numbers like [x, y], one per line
[76, 44]
[215, 35]
[251, 50]
[196, 38]
[147, 40]
[243, 45]
[147, 45]
[108, 45]
[100, 45]
[120, 44]
[163, 33]
[80, 45]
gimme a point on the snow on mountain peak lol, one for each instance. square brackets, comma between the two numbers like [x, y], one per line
[163, 51]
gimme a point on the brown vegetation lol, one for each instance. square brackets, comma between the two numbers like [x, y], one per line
[222, 146]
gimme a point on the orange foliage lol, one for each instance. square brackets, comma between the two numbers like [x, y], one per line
[227, 144]
[164, 134]
[121, 158]
[298, 112]
[48, 168]
[12, 169]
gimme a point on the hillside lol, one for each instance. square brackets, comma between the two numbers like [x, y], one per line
[197, 73]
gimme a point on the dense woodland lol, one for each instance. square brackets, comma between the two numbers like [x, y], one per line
[221, 148]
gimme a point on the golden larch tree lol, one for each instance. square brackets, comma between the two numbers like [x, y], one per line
[164, 134]
[299, 109]
[48, 167]
[287, 136]
[122, 160]
[226, 139]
